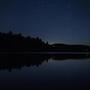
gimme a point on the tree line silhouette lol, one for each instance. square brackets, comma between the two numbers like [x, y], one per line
[70, 48]
[10, 42]
[17, 42]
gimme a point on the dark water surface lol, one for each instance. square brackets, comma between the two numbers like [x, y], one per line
[45, 72]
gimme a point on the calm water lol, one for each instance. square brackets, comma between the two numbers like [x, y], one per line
[51, 74]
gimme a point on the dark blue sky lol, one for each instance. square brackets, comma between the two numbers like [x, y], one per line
[65, 21]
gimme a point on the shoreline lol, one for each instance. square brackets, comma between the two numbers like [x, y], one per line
[45, 52]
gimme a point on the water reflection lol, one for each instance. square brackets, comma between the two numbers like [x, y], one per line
[17, 61]
[45, 71]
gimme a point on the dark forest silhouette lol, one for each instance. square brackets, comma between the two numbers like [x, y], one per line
[17, 42]
[10, 42]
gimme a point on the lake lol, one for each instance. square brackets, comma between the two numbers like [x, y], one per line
[45, 72]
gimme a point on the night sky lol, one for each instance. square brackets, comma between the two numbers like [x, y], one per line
[64, 21]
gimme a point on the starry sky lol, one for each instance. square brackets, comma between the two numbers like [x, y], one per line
[64, 21]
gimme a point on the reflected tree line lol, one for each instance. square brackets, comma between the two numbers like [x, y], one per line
[18, 61]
